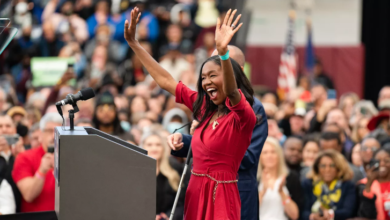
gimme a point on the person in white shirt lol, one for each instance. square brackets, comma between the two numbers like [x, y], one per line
[7, 200]
[275, 201]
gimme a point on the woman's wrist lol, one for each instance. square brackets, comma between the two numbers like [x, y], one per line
[222, 51]
[132, 43]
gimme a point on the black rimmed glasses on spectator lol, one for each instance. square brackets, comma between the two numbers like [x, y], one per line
[324, 166]
[372, 149]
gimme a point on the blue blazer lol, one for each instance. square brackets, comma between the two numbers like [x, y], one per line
[345, 206]
[247, 183]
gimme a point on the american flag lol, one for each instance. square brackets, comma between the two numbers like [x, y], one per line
[288, 64]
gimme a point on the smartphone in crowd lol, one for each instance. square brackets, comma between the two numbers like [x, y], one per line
[50, 149]
[332, 94]
[11, 139]
[374, 163]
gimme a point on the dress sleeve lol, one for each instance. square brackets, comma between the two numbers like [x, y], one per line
[243, 112]
[185, 96]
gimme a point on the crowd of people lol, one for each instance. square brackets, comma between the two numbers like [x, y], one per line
[322, 158]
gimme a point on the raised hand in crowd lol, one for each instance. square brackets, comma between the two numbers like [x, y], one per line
[372, 175]
[47, 163]
[68, 75]
[175, 141]
[325, 108]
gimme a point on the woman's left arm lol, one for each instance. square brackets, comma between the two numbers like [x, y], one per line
[223, 35]
[290, 207]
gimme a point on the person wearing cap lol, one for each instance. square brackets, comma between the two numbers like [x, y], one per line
[106, 119]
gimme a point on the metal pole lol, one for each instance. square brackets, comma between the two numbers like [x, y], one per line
[189, 155]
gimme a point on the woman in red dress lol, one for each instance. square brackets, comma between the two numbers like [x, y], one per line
[223, 107]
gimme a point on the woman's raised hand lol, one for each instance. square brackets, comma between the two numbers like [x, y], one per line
[226, 30]
[130, 29]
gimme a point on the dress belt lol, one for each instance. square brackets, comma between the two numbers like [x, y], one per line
[213, 179]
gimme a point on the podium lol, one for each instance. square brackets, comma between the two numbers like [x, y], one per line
[99, 176]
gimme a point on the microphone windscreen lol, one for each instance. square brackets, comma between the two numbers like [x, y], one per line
[87, 93]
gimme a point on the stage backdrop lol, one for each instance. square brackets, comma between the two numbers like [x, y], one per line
[336, 38]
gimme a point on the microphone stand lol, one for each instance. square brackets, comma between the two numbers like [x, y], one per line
[189, 155]
[71, 119]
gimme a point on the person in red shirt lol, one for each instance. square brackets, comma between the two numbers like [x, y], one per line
[33, 170]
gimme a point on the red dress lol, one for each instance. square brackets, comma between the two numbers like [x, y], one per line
[217, 154]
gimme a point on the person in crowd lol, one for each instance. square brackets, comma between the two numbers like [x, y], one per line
[167, 178]
[7, 199]
[175, 39]
[293, 153]
[33, 169]
[328, 191]
[174, 62]
[269, 97]
[322, 105]
[310, 150]
[274, 196]
[106, 117]
[330, 140]
[338, 117]
[368, 147]
[84, 122]
[67, 21]
[360, 130]
[3, 100]
[116, 50]
[384, 94]
[362, 109]
[373, 190]
[347, 102]
[49, 45]
[320, 76]
[249, 164]
[346, 142]
[217, 84]
[34, 133]
[138, 104]
[356, 159]
[174, 119]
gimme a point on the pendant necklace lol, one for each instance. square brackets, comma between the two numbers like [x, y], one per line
[215, 123]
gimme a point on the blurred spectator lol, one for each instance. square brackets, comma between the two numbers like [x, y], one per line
[174, 62]
[101, 71]
[356, 159]
[175, 40]
[338, 117]
[33, 170]
[7, 199]
[363, 108]
[66, 22]
[269, 97]
[347, 102]
[373, 190]
[22, 16]
[321, 106]
[293, 153]
[116, 50]
[49, 44]
[346, 142]
[148, 28]
[320, 76]
[368, 147]
[311, 148]
[274, 131]
[384, 94]
[34, 133]
[3, 100]
[132, 71]
[360, 130]
[167, 178]
[174, 119]
[328, 191]
[275, 200]
[204, 52]
[106, 118]
[331, 141]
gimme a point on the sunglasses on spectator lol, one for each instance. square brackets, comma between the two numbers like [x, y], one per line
[323, 166]
[372, 149]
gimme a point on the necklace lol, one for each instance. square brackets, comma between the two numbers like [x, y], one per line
[215, 123]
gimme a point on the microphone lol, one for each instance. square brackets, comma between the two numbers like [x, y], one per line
[82, 95]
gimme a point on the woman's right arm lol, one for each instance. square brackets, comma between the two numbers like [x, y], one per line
[159, 74]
